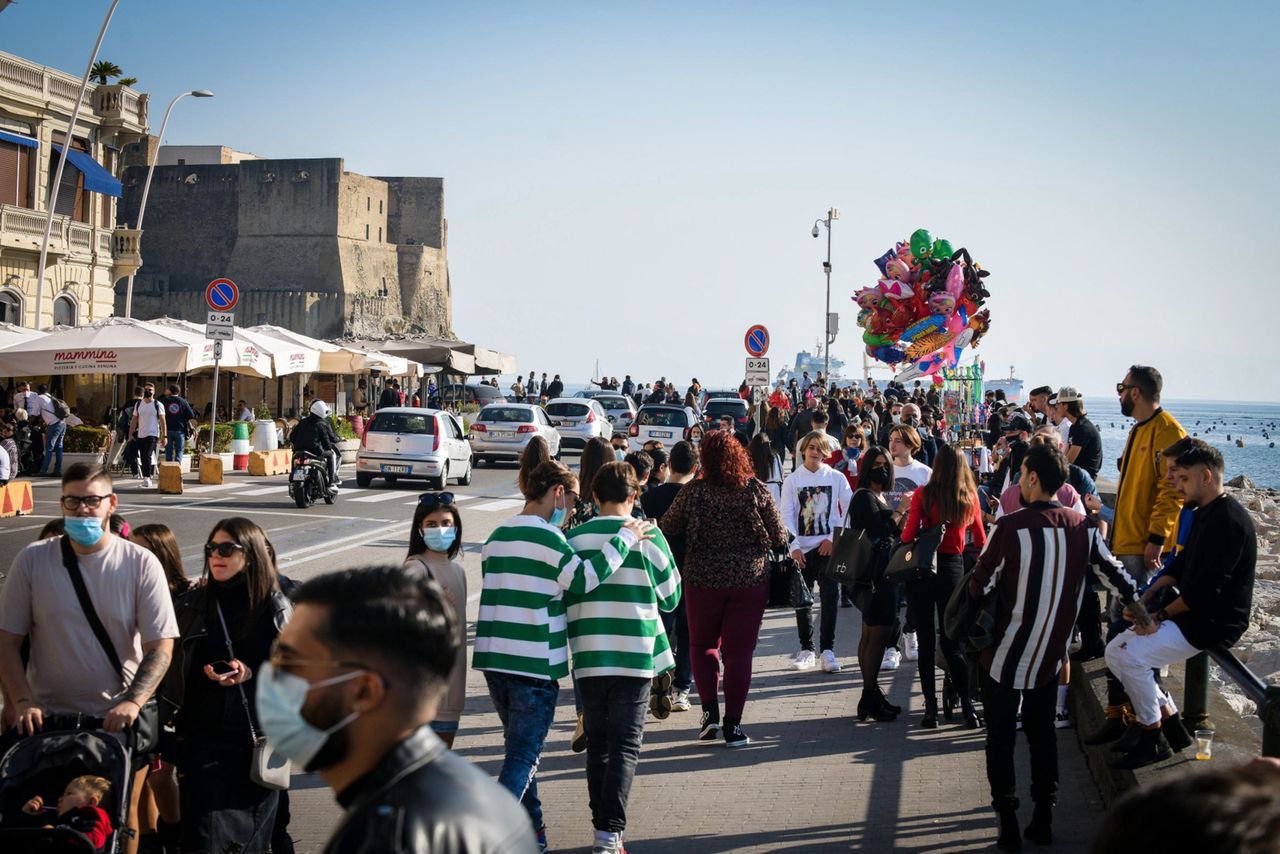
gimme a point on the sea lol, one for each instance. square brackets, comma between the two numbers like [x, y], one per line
[1221, 423]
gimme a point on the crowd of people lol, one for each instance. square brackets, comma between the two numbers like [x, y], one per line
[643, 577]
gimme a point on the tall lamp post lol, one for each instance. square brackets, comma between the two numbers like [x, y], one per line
[832, 215]
[146, 187]
[62, 161]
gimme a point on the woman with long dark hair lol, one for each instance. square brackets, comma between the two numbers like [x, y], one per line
[596, 454]
[765, 464]
[227, 624]
[869, 511]
[730, 523]
[775, 427]
[534, 454]
[951, 498]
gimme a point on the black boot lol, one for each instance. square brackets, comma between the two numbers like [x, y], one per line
[871, 705]
[1010, 838]
[1040, 831]
[1151, 748]
[1175, 733]
[930, 718]
[948, 699]
[970, 716]
[1126, 742]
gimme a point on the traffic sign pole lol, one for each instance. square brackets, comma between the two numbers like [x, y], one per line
[221, 296]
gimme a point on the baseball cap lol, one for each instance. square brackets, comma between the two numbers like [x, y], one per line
[1067, 394]
[1017, 423]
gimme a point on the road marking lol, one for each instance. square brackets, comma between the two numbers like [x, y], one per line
[504, 504]
[210, 487]
[382, 495]
[265, 490]
[352, 542]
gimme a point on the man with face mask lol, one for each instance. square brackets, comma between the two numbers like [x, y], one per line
[618, 441]
[69, 671]
[350, 692]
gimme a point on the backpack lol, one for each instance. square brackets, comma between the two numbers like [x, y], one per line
[60, 408]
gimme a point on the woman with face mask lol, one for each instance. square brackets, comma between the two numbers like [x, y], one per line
[869, 511]
[521, 633]
[845, 458]
[227, 625]
[435, 542]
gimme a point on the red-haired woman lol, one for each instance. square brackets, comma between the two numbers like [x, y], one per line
[730, 523]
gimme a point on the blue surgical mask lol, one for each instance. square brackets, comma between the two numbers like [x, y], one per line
[439, 539]
[280, 699]
[83, 530]
[619, 455]
[558, 516]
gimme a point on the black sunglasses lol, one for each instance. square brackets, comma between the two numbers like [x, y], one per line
[1121, 388]
[223, 549]
[434, 499]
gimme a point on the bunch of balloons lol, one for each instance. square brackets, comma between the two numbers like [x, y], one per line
[926, 308]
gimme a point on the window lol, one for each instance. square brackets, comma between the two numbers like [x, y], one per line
[401, 422]
[505, 415]
[384, 287]
[15, 174]
[567, 410]
[11, 307]
[366, 231]
[182, 161]
[262, 318]
[64, 311]
[368, 202]
[72, 200]
[379, 205]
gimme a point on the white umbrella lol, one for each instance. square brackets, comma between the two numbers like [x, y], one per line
[337, 359]
[238, 355]
[253, 352]
[10, 334]
[114, 345]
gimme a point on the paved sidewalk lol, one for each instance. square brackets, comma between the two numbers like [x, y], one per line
[814, 779]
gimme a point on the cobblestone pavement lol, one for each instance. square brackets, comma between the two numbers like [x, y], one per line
[813, 779]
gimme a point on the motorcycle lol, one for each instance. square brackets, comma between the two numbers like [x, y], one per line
[309, 480]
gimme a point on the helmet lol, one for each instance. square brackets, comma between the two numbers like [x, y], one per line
[320, 409]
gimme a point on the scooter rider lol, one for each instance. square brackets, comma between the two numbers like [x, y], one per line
[315, 435]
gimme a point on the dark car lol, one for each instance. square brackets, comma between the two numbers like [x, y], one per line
[456, 394]
[736, 408]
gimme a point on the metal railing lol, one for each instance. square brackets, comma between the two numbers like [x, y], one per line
[1267, 697]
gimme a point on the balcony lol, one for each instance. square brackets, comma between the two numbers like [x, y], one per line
[120, 109]
[23, 229]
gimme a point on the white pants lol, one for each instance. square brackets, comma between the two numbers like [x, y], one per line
[1131, 657]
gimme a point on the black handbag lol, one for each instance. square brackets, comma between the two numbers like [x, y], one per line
[851, 554]
[146, 729]
[970, 622]
[801, 590]
[916, 561]
[782, 569]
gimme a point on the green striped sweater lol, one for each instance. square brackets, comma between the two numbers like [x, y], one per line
[615, 630]
[526, 567]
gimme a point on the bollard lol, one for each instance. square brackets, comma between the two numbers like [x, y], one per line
[1195, 701]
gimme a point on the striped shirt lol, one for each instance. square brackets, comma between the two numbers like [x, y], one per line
[615, 630]
[1036, 562]
[526, 567]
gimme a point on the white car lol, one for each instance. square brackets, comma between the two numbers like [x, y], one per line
[664, 423]
[579, 420]
[410, 442]
[501, 431]
[620, 409]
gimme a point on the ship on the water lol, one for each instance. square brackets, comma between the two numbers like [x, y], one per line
[814, 363]
[1011, 385]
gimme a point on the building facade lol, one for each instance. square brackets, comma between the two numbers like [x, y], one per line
[87, 254]
[313, 247]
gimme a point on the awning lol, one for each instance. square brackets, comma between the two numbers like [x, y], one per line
[18, 139]
[96, 178]
[448, 355]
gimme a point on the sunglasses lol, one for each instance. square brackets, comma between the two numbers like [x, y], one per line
[222, 549]
[72, 503]
[436, 499]
[1121, 388]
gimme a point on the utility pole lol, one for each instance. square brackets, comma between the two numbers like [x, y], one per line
[827, 336]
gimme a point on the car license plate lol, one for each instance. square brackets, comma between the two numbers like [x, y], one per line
[299, 474]
[397, 469]
[502, 434]
[661, 434]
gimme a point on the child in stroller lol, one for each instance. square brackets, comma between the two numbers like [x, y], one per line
[77, 809]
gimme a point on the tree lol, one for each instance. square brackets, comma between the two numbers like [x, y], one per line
[103, 70]
[127, 81]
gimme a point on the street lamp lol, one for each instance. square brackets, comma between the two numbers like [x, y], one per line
[146, 187]
[832, 215]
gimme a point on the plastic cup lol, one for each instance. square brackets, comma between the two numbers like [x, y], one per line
[1204, 744]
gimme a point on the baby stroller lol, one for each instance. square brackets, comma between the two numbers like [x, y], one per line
[42, 764]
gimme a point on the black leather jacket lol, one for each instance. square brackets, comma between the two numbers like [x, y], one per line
[423, 798]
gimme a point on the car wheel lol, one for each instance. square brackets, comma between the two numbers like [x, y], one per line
[363, 480]
[465, 480]
[439, 482]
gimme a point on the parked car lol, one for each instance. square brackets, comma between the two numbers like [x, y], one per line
[414, 443]
[590, 392]
[458, 394]
[501, 431]
[578, 420]
[667, 423]
[718, 394]
[737, 408]
[620, 409]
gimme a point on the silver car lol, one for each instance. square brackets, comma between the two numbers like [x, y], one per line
[411, 442]
[579, 420]
[620, 409]
[501, 431]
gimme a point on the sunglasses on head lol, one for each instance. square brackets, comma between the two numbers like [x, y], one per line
[436, 499]
[222, 549]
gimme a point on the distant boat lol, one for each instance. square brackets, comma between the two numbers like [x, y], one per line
[1011, 385]
[814, 363]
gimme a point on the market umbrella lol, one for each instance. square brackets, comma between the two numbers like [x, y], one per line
[114, 345]
[277, 356]
[10, 334]
[340, 359]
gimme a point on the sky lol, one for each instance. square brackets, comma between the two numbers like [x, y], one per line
[637, 183]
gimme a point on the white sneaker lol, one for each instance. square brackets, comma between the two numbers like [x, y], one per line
[910, 646]
[892, 658]
[680, 701]
[829, 663]
[607, 843]
[146, 483]
[804, 660]
[1062, 720]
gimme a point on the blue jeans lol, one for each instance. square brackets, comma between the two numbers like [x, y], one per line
[526, 707]
[53, 434]
[177, 445]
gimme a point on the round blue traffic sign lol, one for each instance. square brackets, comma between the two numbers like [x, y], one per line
[757, 341]
[222, 295]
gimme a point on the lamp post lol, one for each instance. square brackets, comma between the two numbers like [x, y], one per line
[832, 215]
[146, 187]
[62, 161]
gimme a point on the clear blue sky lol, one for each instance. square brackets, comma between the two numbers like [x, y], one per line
[636, 183]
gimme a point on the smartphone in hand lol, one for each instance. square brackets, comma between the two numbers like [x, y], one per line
[222, 668]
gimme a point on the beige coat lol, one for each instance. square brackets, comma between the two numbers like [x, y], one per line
[450, 575]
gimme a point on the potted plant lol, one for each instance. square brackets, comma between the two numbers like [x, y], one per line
[348, 441]
[222, 446]
[264, 436]
[85, 444]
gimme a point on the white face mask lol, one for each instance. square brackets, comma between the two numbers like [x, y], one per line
[281, 697]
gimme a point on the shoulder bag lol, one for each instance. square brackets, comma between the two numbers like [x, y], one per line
[851, 554]
[970, 622]
[146, 728]
[266, 767]
[916, 561]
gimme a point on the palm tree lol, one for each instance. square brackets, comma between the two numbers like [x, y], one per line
[103, 70]
[127, 81]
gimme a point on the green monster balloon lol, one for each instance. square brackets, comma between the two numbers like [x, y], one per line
[942, 248]
[921, 244]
